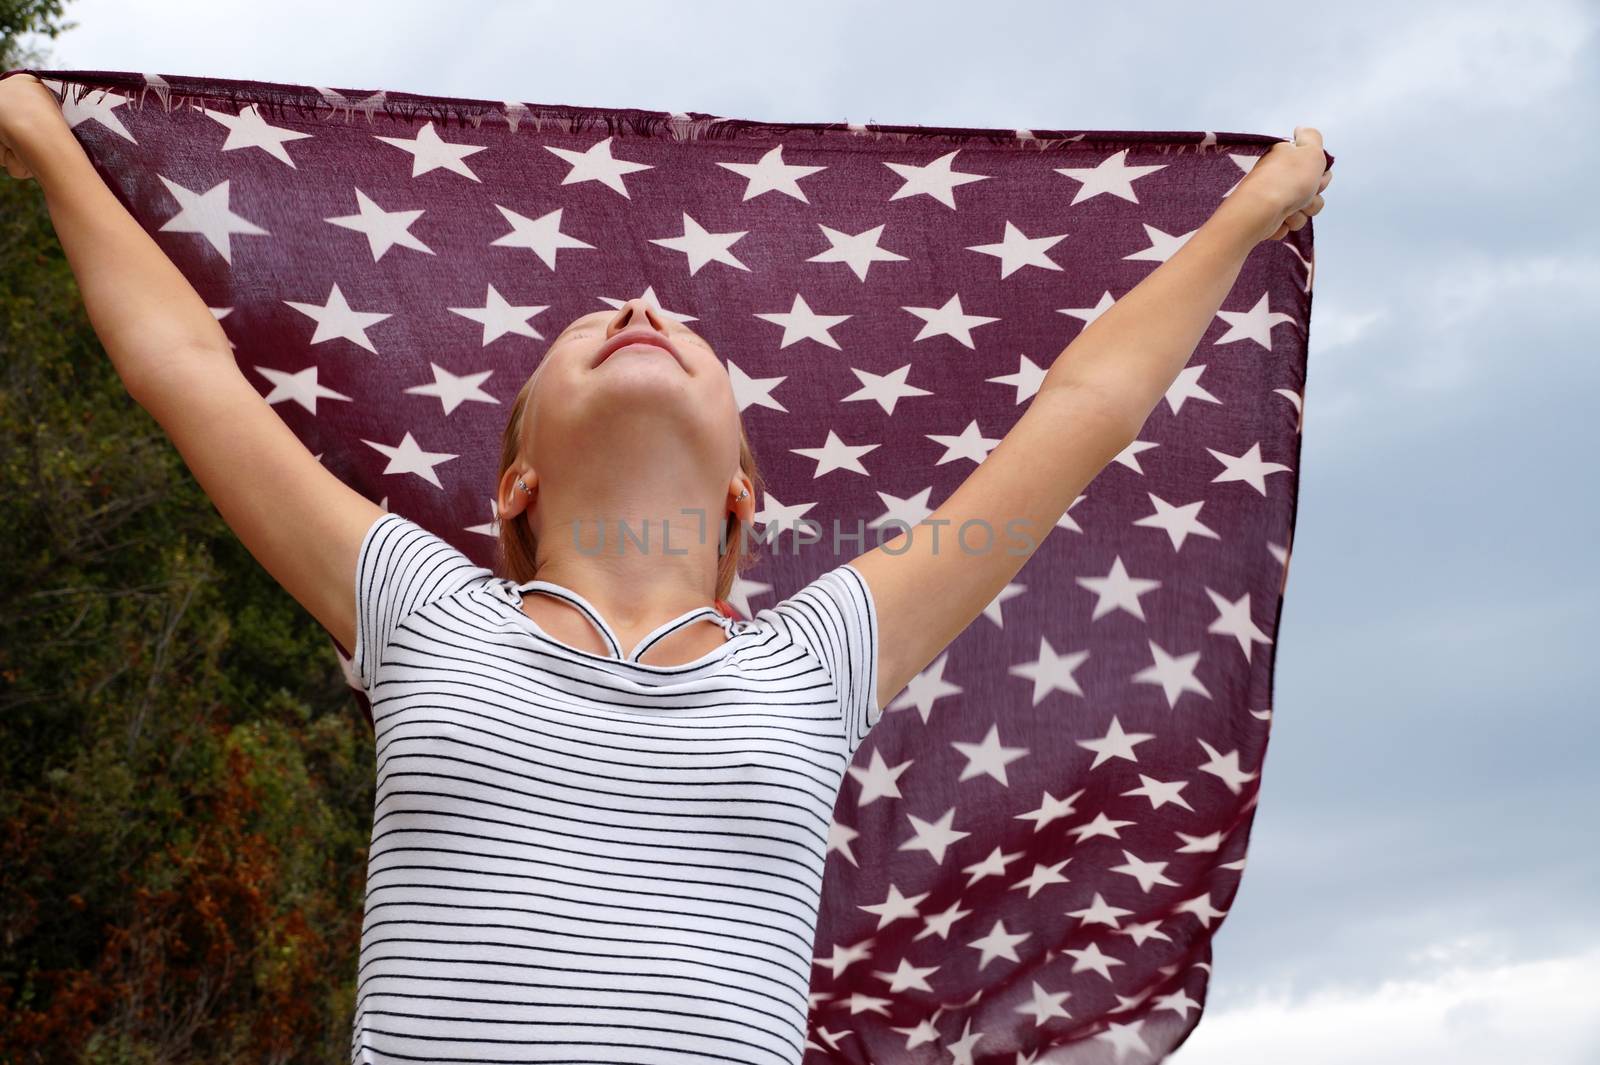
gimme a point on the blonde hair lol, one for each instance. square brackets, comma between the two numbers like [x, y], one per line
[518, 554]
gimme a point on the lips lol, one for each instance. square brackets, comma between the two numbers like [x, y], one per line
[636, 336]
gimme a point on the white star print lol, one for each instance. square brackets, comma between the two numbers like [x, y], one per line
[992, 864]
[1099, 911]
[1299, 406]
[840, 838]
[1129, 456]
[249, 129]
[844, 957]
[335, 320]
[1206, 844]
[908, 977]
[541, 235]
[1065, 521]
[1175, 674]
[1148, 874]
[1115, 744]
[1162, 245]
[1050, 808]
[1045, 1005]
[408, 457]
[933, 836]
[1089, 314]
[939, 924]
[703, 247]
[207, 213]
[1201, 907]
[744, 589]
[1118, 591]
[894, 907]
[754, 391]
[800, 322]
[1226, 768]
[1161, 792]
[885, 389]
[1016, 251]
[1112, 175]
[1233, 619]
[772, 512]
[992, 610]
[1187, 386]
[949, 320]
[649, 296]
[302, 387]
[1027, 379]
[453, 391]
[429, 152]
[498, 317]
[383, 229]
[597, 164]
[925, 689]
[934, 179]
[772, 174]
[1091, 957]
[835, 454]
[989, 757]
[1051, 672]
[1100, 826]
[1255, 324]
[95, 105]
[1042, 877]
[878, 780]
[910, 511]
[1248, 467]
[998, 944]
[858, 251]
[1179, 522]
[971, 445]
[1124, 1037]
[1178, 1002]
[1148, 930]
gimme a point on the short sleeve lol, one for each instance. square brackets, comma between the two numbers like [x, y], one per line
[401, 568]
[836, 618]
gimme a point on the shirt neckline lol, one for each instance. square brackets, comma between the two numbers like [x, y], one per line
[608, 634]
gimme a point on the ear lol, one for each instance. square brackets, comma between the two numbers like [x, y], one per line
[744, 508]
[512, 499]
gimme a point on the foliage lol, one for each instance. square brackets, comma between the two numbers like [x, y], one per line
[185, 780]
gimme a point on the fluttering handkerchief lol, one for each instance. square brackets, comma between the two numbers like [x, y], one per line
[1035, 845]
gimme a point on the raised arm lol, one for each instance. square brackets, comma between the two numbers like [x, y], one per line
[301, 523]
[1091, 405]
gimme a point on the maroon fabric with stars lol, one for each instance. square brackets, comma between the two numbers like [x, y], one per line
[1038, 840]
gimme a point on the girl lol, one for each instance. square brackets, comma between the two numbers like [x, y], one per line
[603, 806]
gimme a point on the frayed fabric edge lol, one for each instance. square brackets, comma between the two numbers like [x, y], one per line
[279, 100]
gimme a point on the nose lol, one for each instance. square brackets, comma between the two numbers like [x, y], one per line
[635, 314]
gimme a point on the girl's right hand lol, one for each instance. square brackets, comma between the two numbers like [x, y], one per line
[26, 105]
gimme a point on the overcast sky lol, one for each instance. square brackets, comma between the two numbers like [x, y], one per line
[1424, 877]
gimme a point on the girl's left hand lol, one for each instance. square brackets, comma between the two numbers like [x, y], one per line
[1288, 181]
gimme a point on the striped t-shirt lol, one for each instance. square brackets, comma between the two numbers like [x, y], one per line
[588, 858]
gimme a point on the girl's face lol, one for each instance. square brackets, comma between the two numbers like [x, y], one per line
[594, 401]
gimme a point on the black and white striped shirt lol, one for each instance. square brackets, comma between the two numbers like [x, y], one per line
[586, 858]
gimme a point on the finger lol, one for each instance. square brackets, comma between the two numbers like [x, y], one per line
[1307, 135]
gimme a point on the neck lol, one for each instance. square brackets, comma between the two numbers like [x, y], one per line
[638, 552]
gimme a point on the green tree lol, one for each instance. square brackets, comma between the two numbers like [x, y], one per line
[185, 780]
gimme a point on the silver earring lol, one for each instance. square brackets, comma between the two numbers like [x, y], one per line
[524, 487]
[742, 493]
